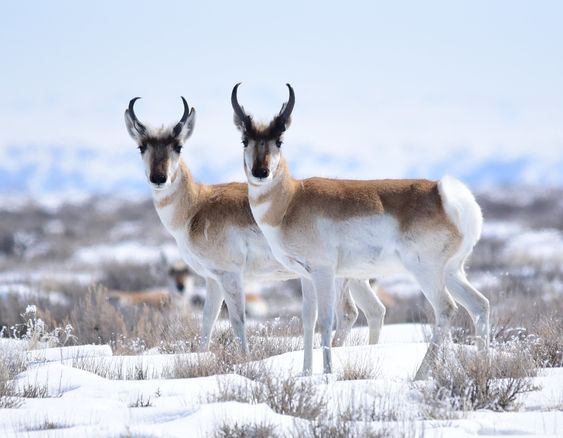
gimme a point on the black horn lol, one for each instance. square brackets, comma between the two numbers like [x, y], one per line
[138, 125]
[287, 108]
[182, 122]
[239, 111]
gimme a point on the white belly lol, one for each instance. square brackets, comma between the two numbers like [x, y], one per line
[357, 248]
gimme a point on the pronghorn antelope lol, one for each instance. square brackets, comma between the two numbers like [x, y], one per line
[326, 228]
[215, 231]
[179, 291]
[183, 283]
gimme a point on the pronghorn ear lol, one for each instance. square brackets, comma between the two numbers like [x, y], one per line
[279, 125]
[243, 123]
[186, 128]
[135, 130]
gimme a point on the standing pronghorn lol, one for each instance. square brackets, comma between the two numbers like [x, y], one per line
[215, 231]
[326, 228]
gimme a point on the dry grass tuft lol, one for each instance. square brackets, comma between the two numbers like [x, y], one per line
[34, 390]
[350, 422]
[141, 402]
[358, 368]
[547, 344]
[253, 430]
[115, 370]
[294, 396]
[95, 320]
[46, 424]
[12, 363]
[464, 380]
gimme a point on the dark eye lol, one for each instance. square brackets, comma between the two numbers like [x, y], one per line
[245, 142]
[177, 148]
[143, 148]
[278, 143]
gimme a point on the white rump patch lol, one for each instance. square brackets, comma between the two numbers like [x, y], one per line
[463, 211]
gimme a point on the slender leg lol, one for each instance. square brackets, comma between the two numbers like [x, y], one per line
[309, 320]
[474, 302]
[211, 308]
[231, 284]
[346, 312]
[324, 281]
[371, 306]
[432, 282]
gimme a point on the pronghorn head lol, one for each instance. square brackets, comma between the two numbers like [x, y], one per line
[262, 142]
[180, 276]
[160, 148]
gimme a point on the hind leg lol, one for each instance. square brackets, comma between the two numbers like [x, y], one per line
[474, 302]
[370, 305]
[346, 313]
[432, 281]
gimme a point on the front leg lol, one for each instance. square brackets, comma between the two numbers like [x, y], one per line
[231, 285]
[309, 320]
[211, 308]
[324, 281]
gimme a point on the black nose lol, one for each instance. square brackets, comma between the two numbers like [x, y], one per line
[180, 287]
[158, 178]
[260, 172]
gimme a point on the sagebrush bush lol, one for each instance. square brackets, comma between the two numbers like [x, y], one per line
[287, 395]
[547, 342]
[95, 320]
[133, 329]
[12, 363]
[463, 379]
[353, 419]
[115, 369]
[249, 430]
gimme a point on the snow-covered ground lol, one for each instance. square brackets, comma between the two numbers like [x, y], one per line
[80, 403]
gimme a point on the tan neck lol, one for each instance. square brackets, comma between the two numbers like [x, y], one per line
[181, 198]
[278, 194]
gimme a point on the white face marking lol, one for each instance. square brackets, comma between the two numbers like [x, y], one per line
[261, 154]
[167, 159]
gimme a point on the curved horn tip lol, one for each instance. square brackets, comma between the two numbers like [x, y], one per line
[290, 89]
[132, 102]
[184, 101]
[235, 88]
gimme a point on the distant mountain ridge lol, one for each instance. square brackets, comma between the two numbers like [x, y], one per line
[41, 169]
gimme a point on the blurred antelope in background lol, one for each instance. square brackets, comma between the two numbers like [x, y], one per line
[215, 231]
[180, 291]
[323, 229]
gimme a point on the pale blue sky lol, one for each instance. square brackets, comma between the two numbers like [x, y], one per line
[384, 89]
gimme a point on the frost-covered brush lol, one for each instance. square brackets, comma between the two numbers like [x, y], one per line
[323, 229]
[213, 227]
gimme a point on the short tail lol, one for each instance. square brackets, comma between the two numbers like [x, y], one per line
[463, 211]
